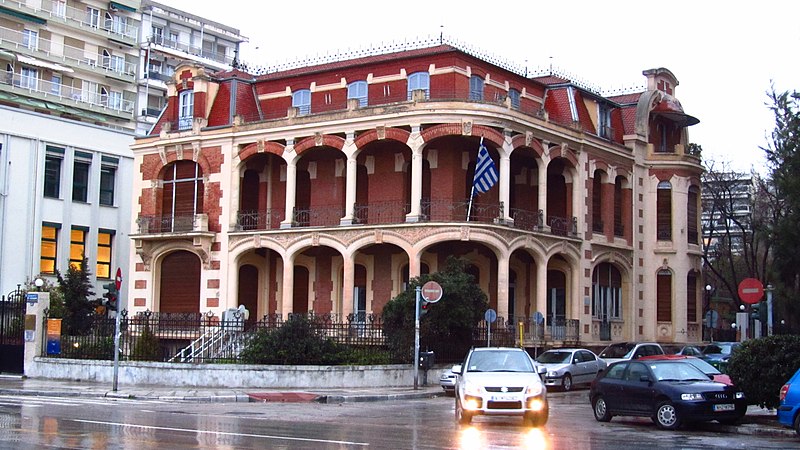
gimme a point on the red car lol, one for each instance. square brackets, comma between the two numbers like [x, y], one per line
[704, 367]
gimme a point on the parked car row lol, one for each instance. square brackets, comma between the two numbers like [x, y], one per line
[671, 385]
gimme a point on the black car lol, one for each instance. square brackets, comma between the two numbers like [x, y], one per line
[669, 392]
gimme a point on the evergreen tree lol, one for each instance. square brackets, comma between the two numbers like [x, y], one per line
[76, 290]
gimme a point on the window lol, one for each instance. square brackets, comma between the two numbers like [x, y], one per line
[52, 171]
[606, 292]
[47, 261]
[419, 81]
[185, 109]
[173, 38]
[117, 24]
[597, 202]
[30, 39]
[604, 129]
[476, 88]
[80, 176]
[108, 177]
[89, 91]
[105, 238]
[55, 84]
[77, 246]
[93, 17]
[158, 34]
[619, 227]
[664, 211]
[182, 196]
[28, 78]
[514, 96]
[60, 8]
[358, 90]
[664, 296]
[115, 100]
[117, 64]
[691, 215]
[302, 101]
[691, 297]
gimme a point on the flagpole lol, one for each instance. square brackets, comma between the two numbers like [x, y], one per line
[472, 191]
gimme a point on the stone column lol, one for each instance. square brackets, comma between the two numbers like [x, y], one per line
[543, 188]
[416, 185]
[291, 193]
[505, 182]
[502, 286]
[541, 287]
[287, 297]
[350, 191]
[348, 285]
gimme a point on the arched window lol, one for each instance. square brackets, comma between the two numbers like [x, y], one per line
[664, 296]
[692, 222]
[664, 211]
[185, 109]
[514, 96]
[419, 81]
[476, 88]
[182, 196]
[358, 90]
[302, 101]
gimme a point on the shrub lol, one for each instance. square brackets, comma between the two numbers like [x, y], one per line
[147, 347]
[759, 367]
[297, 341]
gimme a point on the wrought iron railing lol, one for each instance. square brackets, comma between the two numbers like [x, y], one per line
[166, 224]
[259, 220]
[379, 213]
[318, 216]
[436, 210]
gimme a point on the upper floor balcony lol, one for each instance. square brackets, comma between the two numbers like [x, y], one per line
[28, 43]
[189, 51]
[29, 84]
[110, 23]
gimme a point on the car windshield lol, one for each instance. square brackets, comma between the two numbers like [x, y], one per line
[705, 367]
[718, 348]
[555, 357]
[676, 371]
[617, 350]
[499, 361]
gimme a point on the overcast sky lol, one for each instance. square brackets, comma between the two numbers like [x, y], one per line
[726, 56]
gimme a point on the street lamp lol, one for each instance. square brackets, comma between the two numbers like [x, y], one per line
[38, 282]
[707, 314]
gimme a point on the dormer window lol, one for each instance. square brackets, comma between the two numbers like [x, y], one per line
[358, 90]
[514, 96]
[302, 101]
[185, 109]
[419, 81]
[476, 88]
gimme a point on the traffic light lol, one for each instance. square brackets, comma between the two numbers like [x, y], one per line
[423, 307]
[111, 295]
[758, 311]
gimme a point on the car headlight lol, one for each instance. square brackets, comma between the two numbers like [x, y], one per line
[534, 389]
[689, 397]
[471, 388]
[739, 395]
[552, 374]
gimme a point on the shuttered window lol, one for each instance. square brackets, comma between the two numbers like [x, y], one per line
[597, 202]
[619, 228]
[664, 296]
[180, 283]
[664, 211]
[182, 195]
[691, 215]
[691, 297]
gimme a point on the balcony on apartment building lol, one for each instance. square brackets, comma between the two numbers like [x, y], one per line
[104, 23]
[28, 84]
[182, 50]
[28, 43]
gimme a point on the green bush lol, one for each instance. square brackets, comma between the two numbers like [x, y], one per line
[298, 341]
[147, 347]
[759, 367]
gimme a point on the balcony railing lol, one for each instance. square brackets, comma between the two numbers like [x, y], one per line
[121, 26]
[61, 92]
[167, 224]
[219, 57]
[436, 210]
[318, 216]
[259, 220]
[60, 52]
[378, 213]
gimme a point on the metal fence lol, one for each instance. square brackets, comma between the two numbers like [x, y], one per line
[208, 338]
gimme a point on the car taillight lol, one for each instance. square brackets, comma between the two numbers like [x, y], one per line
[784, 390]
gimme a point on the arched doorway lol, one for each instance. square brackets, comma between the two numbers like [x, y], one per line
[247, 294]
[179, 290]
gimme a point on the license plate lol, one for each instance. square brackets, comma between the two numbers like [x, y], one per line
[503, 398]
[724, 407]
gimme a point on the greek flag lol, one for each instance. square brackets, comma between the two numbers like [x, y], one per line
[485, 172]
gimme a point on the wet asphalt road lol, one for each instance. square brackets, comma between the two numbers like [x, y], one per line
[64, 423]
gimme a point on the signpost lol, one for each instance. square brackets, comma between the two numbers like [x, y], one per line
[430, 292]
[490, 316]
[118, 313]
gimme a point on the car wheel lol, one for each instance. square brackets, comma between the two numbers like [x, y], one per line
[566, 383]
[601, 412]
[797, 424]
[667, 416]
[462, 417]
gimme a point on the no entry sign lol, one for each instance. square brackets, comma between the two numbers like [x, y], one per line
[751, 291]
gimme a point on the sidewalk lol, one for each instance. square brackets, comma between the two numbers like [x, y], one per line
[758, 421]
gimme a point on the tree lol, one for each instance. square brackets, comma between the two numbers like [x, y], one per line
[783, 161]
[761, 366]
[56, 309]
[76, 290]
[451, 321]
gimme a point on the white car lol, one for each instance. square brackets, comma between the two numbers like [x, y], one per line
[500, 381]
[448, 381]
[567, 367]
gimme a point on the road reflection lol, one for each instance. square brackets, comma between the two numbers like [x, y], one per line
[472, 438]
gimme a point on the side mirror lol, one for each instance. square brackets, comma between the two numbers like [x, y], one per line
[644, 378]
[456, 369]
[575, 361]
[541, 370]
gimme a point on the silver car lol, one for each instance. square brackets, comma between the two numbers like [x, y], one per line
[447, 380]
[500, 381]
[567, 367]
